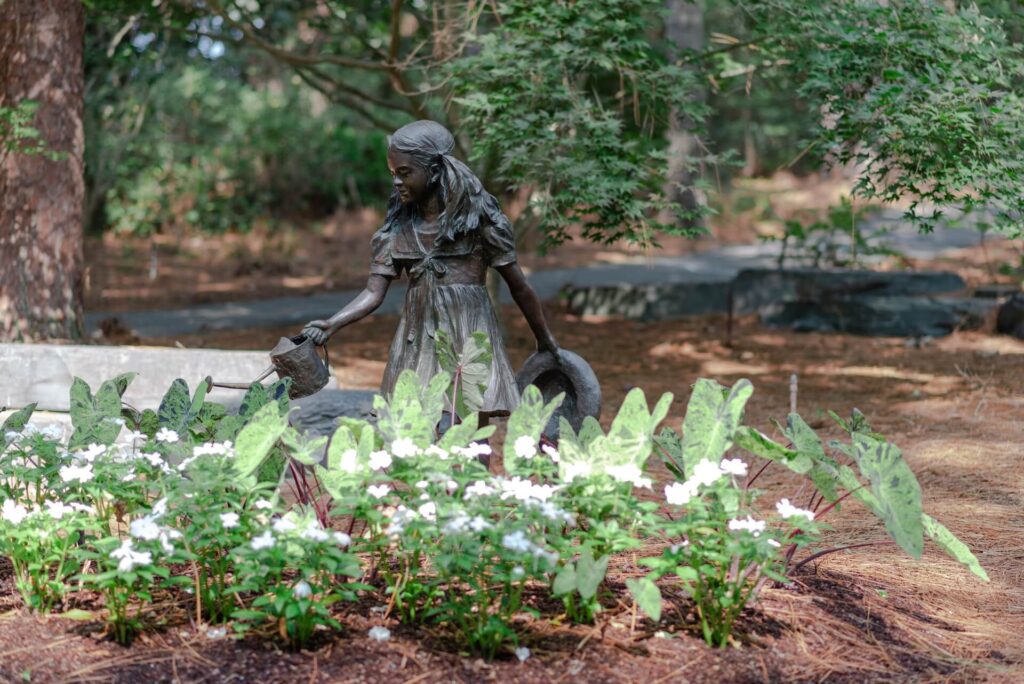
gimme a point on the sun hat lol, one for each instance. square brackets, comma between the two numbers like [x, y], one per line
[567, 372]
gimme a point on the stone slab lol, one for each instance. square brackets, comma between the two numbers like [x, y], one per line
[663, 301]
[43, 373]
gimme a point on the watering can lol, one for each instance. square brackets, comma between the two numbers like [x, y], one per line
[295, 358]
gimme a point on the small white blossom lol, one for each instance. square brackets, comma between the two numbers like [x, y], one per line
[263, 505]
[342, 539]
[144, 528]
[129, 558]
[263, 541]
[159, 508]
[283, 525]
[755, 527]
[629, 472]
[436, 451]
[72, 473]
[378, 491]
[526, 447]
[13, 512]
[680, 493]
[772, 542]
[53, 432]
[517, 541]
[734, 466]
[314, 532]
[302, 590]
[518, 572]
[428, 510]
[91, 453]
[706, 473]
[404, 448]
[572, 470]
[474, 450]
[522, 654]
[135, 436]
[379, 460]
[478, 488]
[551, 451]
[349, 462]
[58, 509]
[676, 548]
[379, 633]
[788, 510]
[229, 520]
[166, 435]
[154, 459]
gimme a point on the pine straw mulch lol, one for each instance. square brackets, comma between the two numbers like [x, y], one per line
[953, 405]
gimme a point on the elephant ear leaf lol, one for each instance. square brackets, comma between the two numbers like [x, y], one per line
[15, 422]
[712, 417]
[895, 488]
[938, 533]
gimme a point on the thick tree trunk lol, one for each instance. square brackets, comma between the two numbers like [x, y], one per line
[41, 43]
[684, 29]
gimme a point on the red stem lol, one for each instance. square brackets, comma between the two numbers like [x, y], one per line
[819, 554]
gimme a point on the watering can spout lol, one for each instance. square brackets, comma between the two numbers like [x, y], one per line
[295, 358]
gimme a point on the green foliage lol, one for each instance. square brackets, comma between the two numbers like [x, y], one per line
[712, 416]
[564, 97]
[97, 419]
[525, 427]
[469, 368]
[255, 444]
[14, 423]
[414, 410]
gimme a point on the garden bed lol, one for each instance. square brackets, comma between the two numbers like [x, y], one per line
[867, 615]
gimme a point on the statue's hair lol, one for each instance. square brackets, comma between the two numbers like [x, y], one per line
[463, 197]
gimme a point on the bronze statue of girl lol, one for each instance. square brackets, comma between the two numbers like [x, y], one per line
[444, 230]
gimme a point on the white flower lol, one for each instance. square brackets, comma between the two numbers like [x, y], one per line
[283, 525]
[524, 490]
[755, 527]
[572, 470]
[551, 451]
[788, 510]
[314, 532]
[212, 449]
[474, 450]
[82, 508]
[135, 435]
[302, 590]
[11, 435]
[525, 447]
[229, 520]
[378, 491]
[706, 473]
[155, 459]
[166, 535]
[676, 548]
[342, 539]
[166, 435]
[629, 472]
[517, 541]
[53, 432]
[428, 510]
[58, 509]
[734, 466]
[262, 505]
[144, 528]
[91, 453]
[71, 473]
[159, 508]
[129, 558]
[404, 448]
[518, 572]
[772, 542]
[522, 653]
[13, 512]
[434, 450]
[680, 493]
[379, 460]
[399, 519]
[379, 633]
[349, 462]
[264, 541]
[478, 488]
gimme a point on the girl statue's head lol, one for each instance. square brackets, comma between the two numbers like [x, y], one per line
[421, 162]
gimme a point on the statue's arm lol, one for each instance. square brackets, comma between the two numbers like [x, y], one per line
[528, 302]
[365, 303]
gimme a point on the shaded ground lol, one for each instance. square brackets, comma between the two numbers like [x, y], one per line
[954, 406]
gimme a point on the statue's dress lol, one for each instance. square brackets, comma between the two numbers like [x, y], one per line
[447, 292]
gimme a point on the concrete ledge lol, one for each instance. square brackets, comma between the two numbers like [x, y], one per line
[43, 373]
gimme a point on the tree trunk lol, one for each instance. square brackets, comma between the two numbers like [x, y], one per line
[41, 199]
[684, 29]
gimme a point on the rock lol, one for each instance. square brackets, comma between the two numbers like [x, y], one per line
[901, 316]
[996, 291]
[756, 289]
[318, 413]
[654, 302]
[1010, 319]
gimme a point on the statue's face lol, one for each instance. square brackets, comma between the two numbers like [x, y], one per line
[411, 180]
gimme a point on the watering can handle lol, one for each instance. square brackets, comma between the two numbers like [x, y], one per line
[270, 369]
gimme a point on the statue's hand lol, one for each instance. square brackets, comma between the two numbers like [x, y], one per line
[548, 344]
[318, 331]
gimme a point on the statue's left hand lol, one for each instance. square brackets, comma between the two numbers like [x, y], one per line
[318, 331]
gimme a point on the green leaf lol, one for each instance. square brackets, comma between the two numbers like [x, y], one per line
[896, 489]
[806, 441]
[646, 595]
[469, 369]
[15, 422]
[413, 411]
[948, 542]
[590, 573]
[528, 419]
[712, 417]
[122, 381]
[174, 407]
[257, 438]
[96, 419]
[756, 443]
[565, 580]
